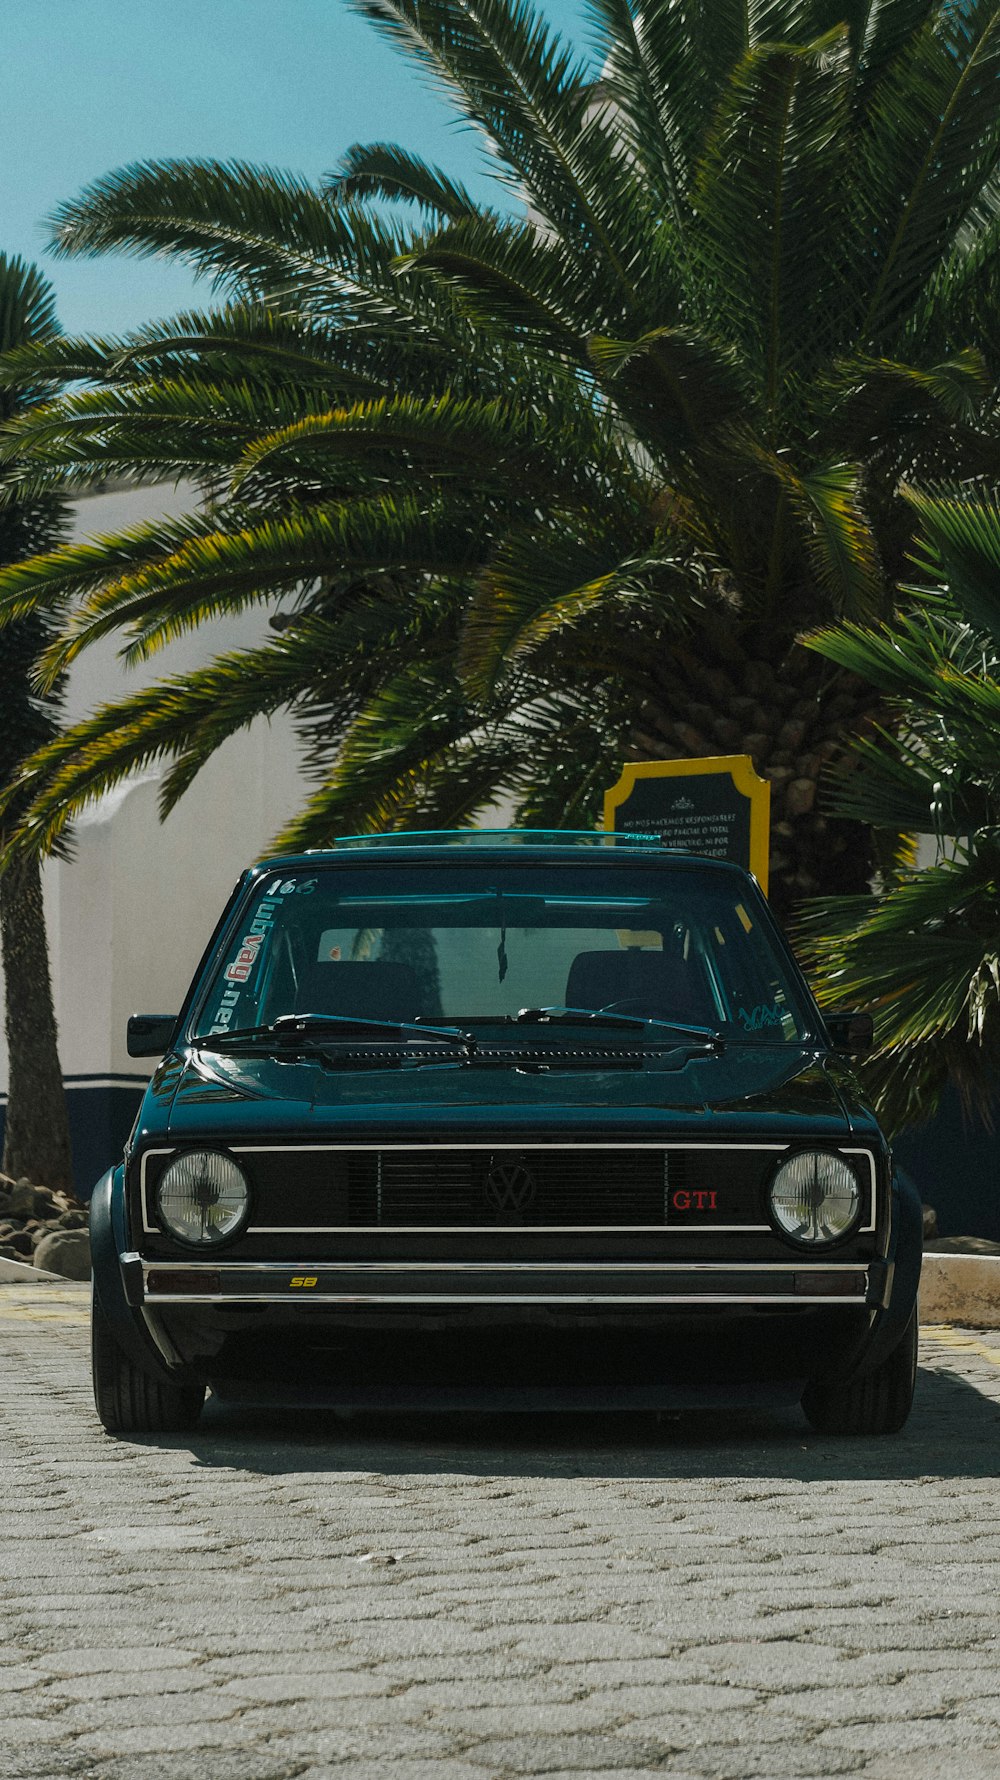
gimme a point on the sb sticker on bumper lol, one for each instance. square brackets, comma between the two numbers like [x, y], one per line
[302, 1281]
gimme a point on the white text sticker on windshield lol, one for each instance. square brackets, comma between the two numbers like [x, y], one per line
[240, 967]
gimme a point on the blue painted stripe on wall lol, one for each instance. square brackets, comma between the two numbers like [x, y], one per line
[101, 1114]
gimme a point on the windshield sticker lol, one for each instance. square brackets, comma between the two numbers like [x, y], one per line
[240, 967]
[245, 959]
[759, 1017]
[744, 918]
[225, 1010]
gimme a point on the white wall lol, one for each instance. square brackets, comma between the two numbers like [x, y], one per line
[129, 917]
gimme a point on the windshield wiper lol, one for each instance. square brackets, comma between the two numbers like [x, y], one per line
[288, 1029]
[583, 1016]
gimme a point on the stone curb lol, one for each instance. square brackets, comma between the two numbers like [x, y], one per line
[22, 1273]
[960, 1289]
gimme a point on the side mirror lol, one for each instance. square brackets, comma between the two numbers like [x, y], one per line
[853, 1032]
[148, 1035]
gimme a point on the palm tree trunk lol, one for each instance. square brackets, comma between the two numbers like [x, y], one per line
[793, 720]
[36, 1132]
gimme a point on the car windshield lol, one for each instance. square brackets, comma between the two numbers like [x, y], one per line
[467, 944]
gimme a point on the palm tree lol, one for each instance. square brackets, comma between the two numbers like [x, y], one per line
[925, 952]
[36, 1129]
[551, 486]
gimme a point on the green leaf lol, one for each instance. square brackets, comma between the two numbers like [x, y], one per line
[383, 170]
[963, 539]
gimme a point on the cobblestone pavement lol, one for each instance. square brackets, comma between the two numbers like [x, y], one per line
[286, 1599]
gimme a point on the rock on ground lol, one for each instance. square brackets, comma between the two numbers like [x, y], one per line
[29, 1214]
[66, 1252]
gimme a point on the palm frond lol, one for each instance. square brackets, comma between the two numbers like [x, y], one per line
[881, 31]
[962, 548]
[245, 226]
[28, 306]
[872, 396]
[923, 959]
[680, 387]
[211, 571]
[514, 272]
[176, 428]
[44, 364]
[486, 437]
[929, 145]
[53, 579]
[898, 786]
[828, 505]
[384, 170]
[262, 235]
[632, 76]
[415, 715]
[770, 200]
[538, 589]
[188, 716]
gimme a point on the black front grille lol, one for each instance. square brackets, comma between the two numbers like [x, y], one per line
[413, 1187]
[507, 1187]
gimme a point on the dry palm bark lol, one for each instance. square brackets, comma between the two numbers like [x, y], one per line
[36, 1130]
[791, 716]
[36, 1126]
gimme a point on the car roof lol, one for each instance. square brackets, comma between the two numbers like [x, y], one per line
[584, 846]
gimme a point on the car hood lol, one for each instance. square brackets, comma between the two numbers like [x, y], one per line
[784, 1091]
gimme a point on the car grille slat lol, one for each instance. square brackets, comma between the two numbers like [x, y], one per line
[603, 1188]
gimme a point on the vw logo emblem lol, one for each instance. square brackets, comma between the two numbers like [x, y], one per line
[510, 1188]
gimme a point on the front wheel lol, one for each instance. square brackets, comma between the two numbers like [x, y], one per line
[877, 1403]
[130, 1401]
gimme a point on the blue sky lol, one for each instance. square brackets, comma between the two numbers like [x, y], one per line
[90, 85]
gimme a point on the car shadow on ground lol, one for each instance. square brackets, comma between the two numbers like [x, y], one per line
[952, 1432]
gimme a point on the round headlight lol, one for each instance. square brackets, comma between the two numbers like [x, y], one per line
[202, 1197]
[815, 1197]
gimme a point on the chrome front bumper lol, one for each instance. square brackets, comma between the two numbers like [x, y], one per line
[622, 1283]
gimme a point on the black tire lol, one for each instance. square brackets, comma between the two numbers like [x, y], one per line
[130, 1401]
[877, 1403]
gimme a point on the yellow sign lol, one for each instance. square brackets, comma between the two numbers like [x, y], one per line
[719, 808]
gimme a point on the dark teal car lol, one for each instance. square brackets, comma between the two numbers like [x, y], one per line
[503, 1119]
